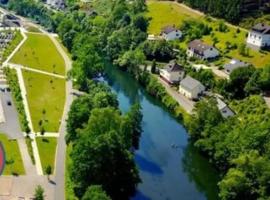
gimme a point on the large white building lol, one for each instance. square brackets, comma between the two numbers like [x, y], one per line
[200, 50]
[171, 33]
[191, 88]
[259, 36]
[172, 73]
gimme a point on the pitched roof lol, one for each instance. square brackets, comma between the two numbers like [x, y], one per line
[173, 66]
[234, 64]
[168, 29]
[190, 83]
[261, 28]
[198, 46]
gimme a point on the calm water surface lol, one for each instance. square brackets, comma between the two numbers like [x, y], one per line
[167, 173]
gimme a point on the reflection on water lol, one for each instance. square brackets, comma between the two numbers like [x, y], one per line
[170, 167]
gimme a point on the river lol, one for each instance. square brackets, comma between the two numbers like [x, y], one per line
[170, 167]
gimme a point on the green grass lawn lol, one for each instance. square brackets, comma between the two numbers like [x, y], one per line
[47, 149]
[169, 13]
[165, 13]
[46, 99]
[14, 163]
[39, 52]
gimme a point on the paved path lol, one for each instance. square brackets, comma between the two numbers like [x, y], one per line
[184, 102]
[30, 169]
[12, 65]
[60, 167]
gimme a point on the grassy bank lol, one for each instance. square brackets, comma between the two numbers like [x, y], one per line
[39, 52]
[46, 98]
[14, 163]
[47, 149]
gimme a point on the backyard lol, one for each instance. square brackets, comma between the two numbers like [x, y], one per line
[39, 52]
[14, 163]
[158, 12]
[47, 149]
[46, 99]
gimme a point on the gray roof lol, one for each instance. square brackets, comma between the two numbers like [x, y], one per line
[234, 64]
[168, 29]
[261, 28]
[173, 66]
[190, 83]
[199, 47]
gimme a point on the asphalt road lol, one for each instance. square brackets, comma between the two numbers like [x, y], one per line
[11, 126]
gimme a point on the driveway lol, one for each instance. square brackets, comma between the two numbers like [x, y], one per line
[11, 126]
[187, 104]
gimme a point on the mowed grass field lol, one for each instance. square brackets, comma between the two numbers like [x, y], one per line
[39, 52]
[46, 99]
[46, 150]
[163, 13]
[14, 163]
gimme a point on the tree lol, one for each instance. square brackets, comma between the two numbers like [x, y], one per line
[135, 117]
[153, 67]
[102, 155]
[48, 171]
[39, 193]
[95, 192]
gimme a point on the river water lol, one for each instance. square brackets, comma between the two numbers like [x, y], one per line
[170, 167]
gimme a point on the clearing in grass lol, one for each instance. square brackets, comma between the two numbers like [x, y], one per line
[14, 163]
[46, 99]
[39, 52]
[171, 13]
[46, 150]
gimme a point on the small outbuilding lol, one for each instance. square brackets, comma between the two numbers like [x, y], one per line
[170, 33]
[191, 88]
[172, 73]
[234, 64]
[224, 109]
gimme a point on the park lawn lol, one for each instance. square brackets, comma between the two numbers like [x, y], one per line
[13, 155]
[39, 52]
[167, 13]
[46, 98]
[46, 150]
[170, 13]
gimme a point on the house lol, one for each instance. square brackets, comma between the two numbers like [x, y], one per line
[172, 73]
[259, 36]
[191, 88]
[224, 109]
[170, 33]
[234, 64]
[200, 50]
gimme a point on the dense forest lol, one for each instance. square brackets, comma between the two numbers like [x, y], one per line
[239, 146]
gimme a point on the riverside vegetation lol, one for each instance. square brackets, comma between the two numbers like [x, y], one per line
[238, 146]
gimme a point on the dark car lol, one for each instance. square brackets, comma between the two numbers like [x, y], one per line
[9, 103]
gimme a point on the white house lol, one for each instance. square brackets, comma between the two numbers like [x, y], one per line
[171, 33]
[224, 109]
[259, 36]
[172, 73]
[234, 64]
[191, 88]
[200, 50]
